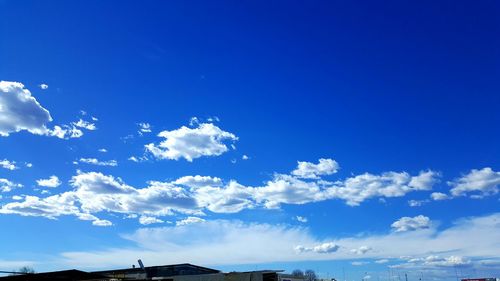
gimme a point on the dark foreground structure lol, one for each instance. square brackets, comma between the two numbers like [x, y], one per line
[176, 272]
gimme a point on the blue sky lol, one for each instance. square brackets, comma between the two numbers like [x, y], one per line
[342, 136]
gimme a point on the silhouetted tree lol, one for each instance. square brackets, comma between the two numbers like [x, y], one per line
[298, 273]
[26, 269]
[310, 275]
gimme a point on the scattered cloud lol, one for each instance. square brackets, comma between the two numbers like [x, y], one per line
[411, 223]
[194, 121]
[478, 183]
[144, 128]
[199, 181]
[438, 196]
[196, 194]
[191, 143]
[43, 86]
[85, 124]
[52, 181]
[22, 112]
[433, 261]
[65, 132]
[9, 165]
[7, 186]
[390, 184]
[99, 222]
[301, 219]
[245, 157]
[94, 161]
[103, 150]
[190, 220]
[213, 119]
[417, 203]
[310, 170]
[324, 248]
[133, 159]
[146, 220]
[360, 263]
[361, 250]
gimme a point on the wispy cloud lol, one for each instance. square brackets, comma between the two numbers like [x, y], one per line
[223, 242]
[94, 161]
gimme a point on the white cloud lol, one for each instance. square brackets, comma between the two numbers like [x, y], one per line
[94, 192]
[17, 197]
[7, 186]
[99, 222]
[434, 261]
[480, 183]
[29, 165]
[52, 181]
[245, 157]
[194, 121]
[43, 86]
[390, 184]
[193, 195]
[324, 248]
[20, 111]
[144, 128]
[103, 150]
[199, 181]
[411, 223]
[50, 207]
[137, 159]
[146, 220]
[97, 192]
[285, 189]
[189, 220]
[213, 119]
[437, 196]
[65, 132]
[191, 143]
[361, 250]
[382, 261]
[9, 165]
[417, 203]
[85, 124]
[230, 198]
[211, 242]
[301, 219]
[310, 170]
[359, 263]
[94, 161]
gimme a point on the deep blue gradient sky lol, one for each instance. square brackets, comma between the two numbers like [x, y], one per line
[403, 86]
